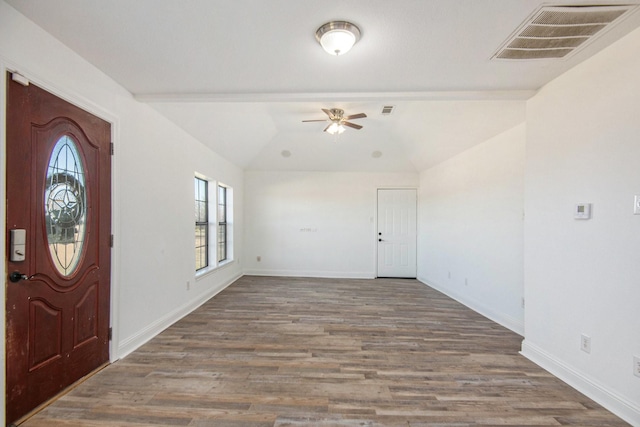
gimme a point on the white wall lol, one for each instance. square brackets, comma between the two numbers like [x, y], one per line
[470, 240]
[583, 145]
[153, 171]
[318, 224]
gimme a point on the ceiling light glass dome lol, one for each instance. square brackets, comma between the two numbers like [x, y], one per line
[338, 37]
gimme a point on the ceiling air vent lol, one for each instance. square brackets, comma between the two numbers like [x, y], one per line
[387, 109]
[555, 32]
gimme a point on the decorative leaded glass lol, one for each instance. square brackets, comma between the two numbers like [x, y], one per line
[65, 205]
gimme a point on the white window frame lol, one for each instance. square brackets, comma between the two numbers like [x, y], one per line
[229, 223]
[212, 207]
[208, 222]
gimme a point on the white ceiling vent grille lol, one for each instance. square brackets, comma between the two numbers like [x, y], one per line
[555, 32]
[387, 109]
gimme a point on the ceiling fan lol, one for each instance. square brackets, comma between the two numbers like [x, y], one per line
[338, 120]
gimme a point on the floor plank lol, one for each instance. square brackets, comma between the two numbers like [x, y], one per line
[280, 352]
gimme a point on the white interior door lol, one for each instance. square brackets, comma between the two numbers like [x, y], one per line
[397, 233]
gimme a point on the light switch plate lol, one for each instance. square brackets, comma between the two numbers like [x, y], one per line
[582, 211]
[585, 343]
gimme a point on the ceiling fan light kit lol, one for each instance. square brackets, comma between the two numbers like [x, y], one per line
[334, 128]
[337, 37]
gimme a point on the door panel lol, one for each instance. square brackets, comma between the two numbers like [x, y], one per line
[59, 191]
[397, 235]
[45, 337]
[85, 328]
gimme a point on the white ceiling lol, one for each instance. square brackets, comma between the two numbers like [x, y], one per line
[241, 75]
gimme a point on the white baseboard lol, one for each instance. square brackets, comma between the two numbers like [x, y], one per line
[509, 322]
[625, 409]
[311, 273]
[132, 343]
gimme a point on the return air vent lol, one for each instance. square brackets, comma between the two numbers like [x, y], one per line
[387, 109]
[555, 32]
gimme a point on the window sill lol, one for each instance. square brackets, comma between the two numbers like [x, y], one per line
[210, 270]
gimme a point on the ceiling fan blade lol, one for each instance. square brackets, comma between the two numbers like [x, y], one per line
[356, 116]
[352, 125]
[325, 129]
[328, 113]
[323, 120]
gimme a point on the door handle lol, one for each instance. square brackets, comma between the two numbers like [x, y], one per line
[16, 276]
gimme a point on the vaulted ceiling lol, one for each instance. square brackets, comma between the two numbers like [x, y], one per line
[241, 75]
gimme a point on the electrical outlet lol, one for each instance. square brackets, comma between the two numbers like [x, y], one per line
[585, 343]
[636, 366]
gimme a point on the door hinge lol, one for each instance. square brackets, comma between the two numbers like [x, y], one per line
[111, 241]
[112, 148]
[110, 334]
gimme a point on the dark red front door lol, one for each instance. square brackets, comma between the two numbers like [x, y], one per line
[59, 204]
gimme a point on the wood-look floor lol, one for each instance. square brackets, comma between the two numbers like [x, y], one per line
[320, 352]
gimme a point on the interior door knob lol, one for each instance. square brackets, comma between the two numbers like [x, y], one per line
[16, 276]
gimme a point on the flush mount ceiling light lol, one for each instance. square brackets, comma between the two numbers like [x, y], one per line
[338, 37]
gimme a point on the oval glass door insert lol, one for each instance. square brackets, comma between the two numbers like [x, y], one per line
[65, 205]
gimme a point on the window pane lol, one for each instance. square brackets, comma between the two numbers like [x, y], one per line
[201, 258]
[201, 235]
[222, 254]
[202, 189]
[222, 204]
[222, 242]
[201, 211]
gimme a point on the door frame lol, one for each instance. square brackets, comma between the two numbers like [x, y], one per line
[80, 101]
[375, 224]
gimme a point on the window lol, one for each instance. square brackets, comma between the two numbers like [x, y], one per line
[222, 223]
[213, 225]
[202, 223]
